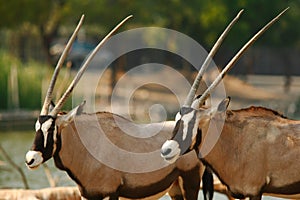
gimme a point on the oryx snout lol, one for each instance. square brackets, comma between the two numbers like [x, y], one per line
[33, 159]
[170, 151]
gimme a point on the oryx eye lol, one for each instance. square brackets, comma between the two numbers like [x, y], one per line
[37, 125]
[46, 125]
[178, 116]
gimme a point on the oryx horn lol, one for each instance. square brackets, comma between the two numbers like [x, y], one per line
[231, 63]
[193, 90]
[69, 90]
[60, 62]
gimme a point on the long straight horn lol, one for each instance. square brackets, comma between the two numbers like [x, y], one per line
[59, 64]
[237, 56]
[208, 59]
[62, 100]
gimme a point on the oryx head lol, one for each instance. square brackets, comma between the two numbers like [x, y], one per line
[46, 136]
[50, 122]
[190, 118]
[191, 127]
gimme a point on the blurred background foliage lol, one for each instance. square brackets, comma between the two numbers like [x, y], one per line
[201, 19]
[41, 23]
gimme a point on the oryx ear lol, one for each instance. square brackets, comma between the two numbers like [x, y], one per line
[223, 105]
[64, 120]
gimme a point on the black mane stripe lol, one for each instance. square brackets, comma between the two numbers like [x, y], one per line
[261, 110]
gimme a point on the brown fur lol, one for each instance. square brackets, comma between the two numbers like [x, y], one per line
[258, 152]
[96, 180]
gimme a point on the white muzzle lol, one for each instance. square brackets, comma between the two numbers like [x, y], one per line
[33, 159]
[170, 151]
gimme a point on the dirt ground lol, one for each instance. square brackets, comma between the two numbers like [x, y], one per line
[137, 94]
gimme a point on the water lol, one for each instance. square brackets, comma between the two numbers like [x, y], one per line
[17, 144]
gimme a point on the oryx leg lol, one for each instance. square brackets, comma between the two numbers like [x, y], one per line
[208, 184]
[258, 197]
[114, 197]
[191, 184]
[175, 191]
[96, 198]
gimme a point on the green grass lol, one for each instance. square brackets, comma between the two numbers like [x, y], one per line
[30, 82]
[6, 62]
[31, 77]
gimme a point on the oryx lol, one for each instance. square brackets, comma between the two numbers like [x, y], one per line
[59, 135]
[246, 155]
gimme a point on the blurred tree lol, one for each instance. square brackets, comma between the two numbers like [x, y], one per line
[259, 12]
[201, 19]
[43, 15]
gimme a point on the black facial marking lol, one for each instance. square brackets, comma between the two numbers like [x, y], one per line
[184, 145]
[198, 141]
[38, 144]
[185, 110]
[178, 125]
[43, 118]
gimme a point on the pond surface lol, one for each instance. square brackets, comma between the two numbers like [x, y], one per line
[16, 144]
